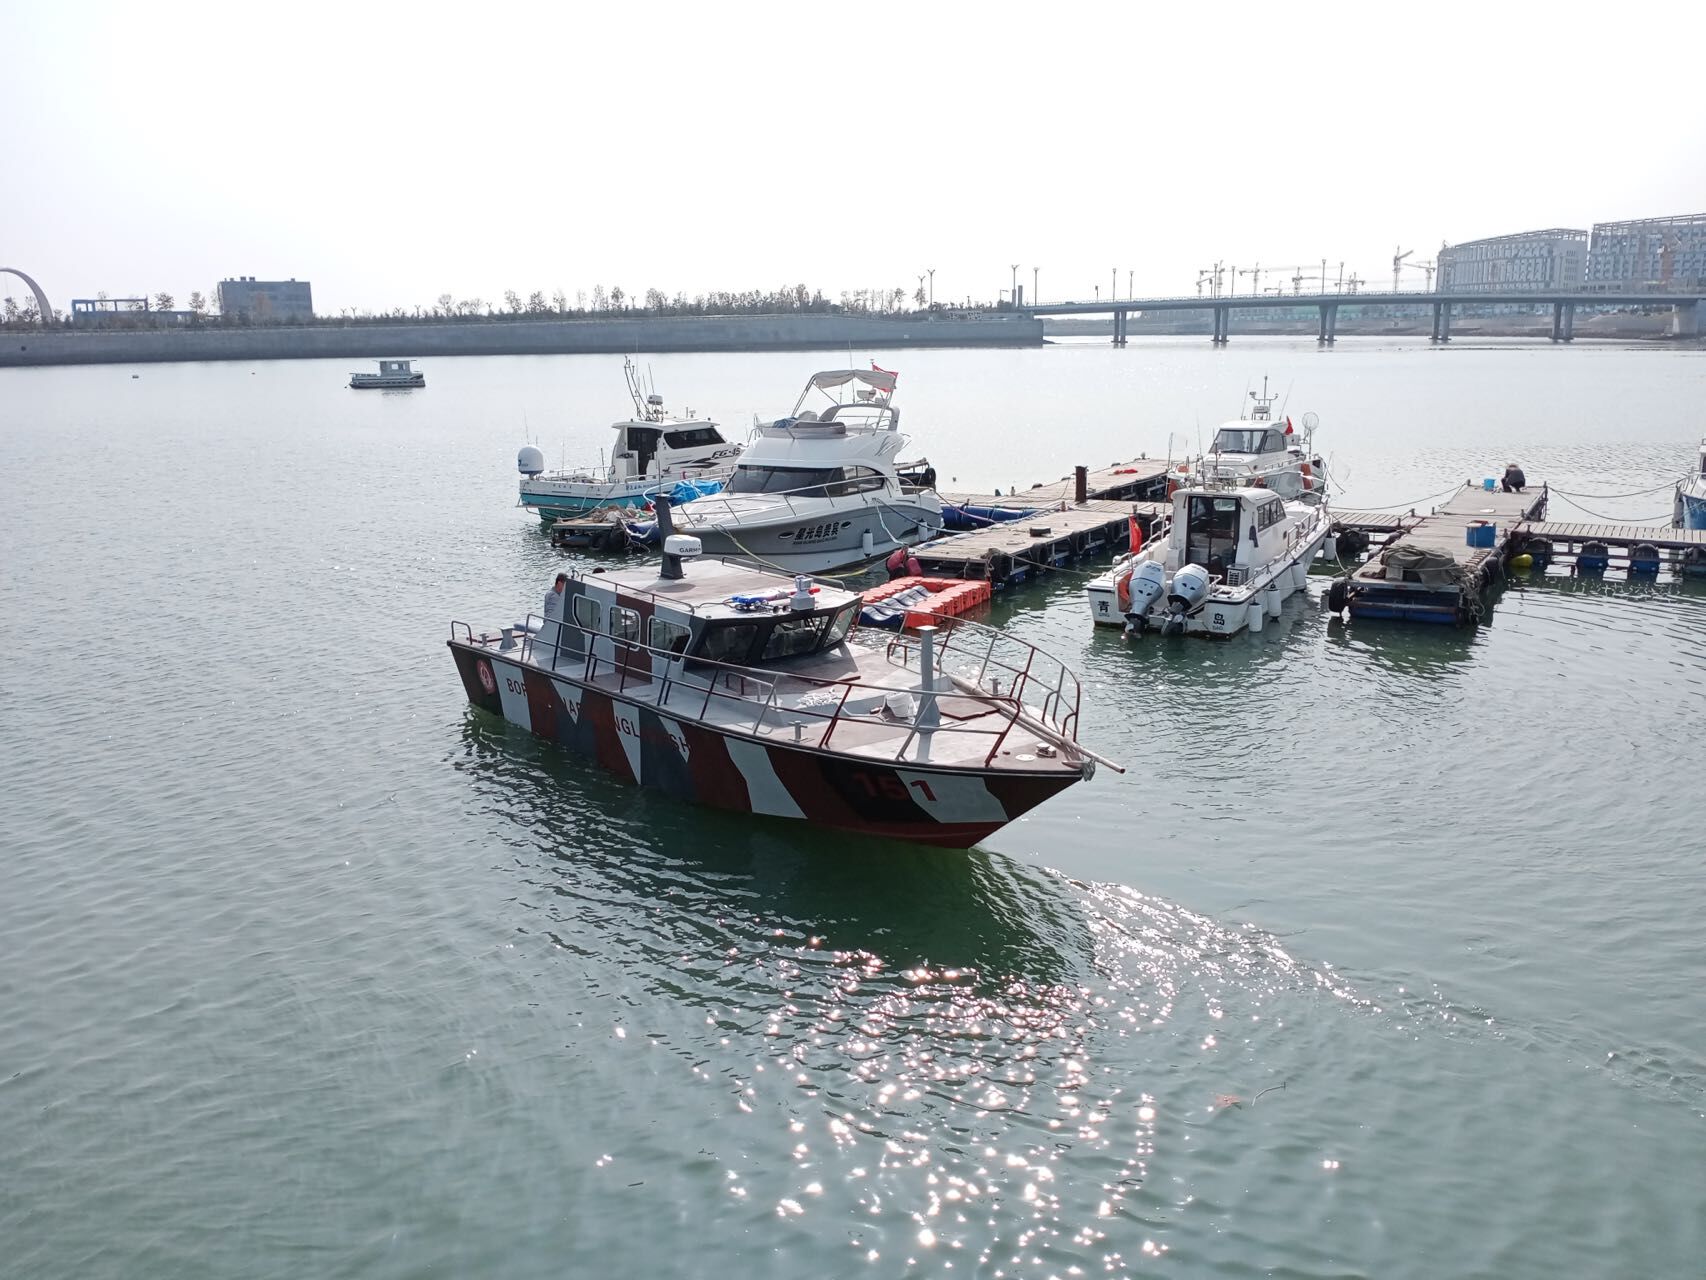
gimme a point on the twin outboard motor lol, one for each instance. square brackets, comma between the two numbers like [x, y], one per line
[1190, 587]
[1145, 587]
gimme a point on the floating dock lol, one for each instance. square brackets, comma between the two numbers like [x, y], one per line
[1140, 479]
[1638, 550]
[1015, 551]
[1460, 548]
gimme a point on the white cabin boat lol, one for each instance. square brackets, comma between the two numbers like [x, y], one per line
[730, 686]
[1227, 560]
[1690, 512]
[820, 488]
[654, 452]
[393, 374]
[1261, 449]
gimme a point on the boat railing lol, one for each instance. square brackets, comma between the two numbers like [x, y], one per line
[786, 499]
[1037, 693]
[997, 665]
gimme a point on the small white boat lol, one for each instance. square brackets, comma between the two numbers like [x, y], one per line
[654, 452]
[392, 374]
[1227, 560]
[821, 488]
[1261, 450]
[1690, 510]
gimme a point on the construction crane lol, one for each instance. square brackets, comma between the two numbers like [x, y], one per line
[1256, 282]
[1427, 269]
[1353, 282]
[1398, 264]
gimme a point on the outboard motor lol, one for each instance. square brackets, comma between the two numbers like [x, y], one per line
[1145, 588]
[1190, 586]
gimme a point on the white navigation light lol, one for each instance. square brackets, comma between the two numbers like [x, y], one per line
[530, 462]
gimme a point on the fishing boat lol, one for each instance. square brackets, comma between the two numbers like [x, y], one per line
[654, 451]
[820, 488]
[1261, 448]
[392, 375]
[1690, 512]
[1227, 559]
[759, 692]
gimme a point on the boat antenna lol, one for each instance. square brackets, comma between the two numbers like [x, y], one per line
[1286, 398]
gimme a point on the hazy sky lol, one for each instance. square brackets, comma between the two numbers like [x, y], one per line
[391, 153]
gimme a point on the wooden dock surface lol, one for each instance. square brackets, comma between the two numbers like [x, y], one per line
[1446, 531]
[1617, 534]
[1112, 482]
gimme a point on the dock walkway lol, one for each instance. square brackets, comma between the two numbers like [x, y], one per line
[1382, 588]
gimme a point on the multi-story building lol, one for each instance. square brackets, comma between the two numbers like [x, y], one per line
[1529, 261]
[266, 299]
[1648, 254]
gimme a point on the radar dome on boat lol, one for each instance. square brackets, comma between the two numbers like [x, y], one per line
[682, 544]
[530, 462]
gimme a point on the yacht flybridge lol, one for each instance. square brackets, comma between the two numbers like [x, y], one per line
[820, 488]
[654, 451]
[1263, 450]
[757, 692]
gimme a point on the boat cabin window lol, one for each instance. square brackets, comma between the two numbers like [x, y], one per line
[692, 437]
[1269, 514]
[1249, 440]
[624, 623]
[801, 482]
[856, 480]
[842, 625]
[667, 636]
[793, 636]
[727, 641]
[587, 613]
[1211, 532]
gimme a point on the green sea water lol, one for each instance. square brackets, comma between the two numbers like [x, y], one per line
[1382, 959]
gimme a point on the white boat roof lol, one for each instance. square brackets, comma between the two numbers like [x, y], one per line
[881, 379]
[709, 587]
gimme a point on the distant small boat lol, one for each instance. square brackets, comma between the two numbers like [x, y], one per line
[392, 373]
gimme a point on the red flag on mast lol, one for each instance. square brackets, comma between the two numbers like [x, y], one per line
[877, 368]
[1136, 535]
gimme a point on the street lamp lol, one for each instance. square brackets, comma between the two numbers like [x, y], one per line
[1015, 284]
[931, 272]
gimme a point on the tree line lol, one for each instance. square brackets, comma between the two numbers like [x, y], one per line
[600, 303]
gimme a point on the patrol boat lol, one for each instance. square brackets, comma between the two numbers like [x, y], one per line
[1228, 559]
[654, 451]
[821, 488]
[392, 375]
[1260, 449]
[758, 692]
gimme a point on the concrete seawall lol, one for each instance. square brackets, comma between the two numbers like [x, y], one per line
[19, 346]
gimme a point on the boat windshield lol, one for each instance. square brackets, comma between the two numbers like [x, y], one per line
[692, 437]
[1248, 440]
[803, 482]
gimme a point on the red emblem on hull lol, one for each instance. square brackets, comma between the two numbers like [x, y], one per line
[488, 681]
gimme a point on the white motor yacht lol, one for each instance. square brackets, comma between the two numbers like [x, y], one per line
[820, 489]
[654, 452]
[1261, 449]
[1227, 560]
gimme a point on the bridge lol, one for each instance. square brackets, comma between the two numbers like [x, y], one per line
[1685, 308]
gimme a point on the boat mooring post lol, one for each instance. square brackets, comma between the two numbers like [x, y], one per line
[929, 716]
[1081, 485]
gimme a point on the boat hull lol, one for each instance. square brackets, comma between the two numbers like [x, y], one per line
[746, 773]
[377, 382]
[1690, 510]
[813, 543]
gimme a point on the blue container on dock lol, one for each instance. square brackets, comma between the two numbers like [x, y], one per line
[1488, 484]
[1482, 534]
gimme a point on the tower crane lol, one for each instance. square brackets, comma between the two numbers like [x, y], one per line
[1398, 264]
[1427, 269]
[1256, 273]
